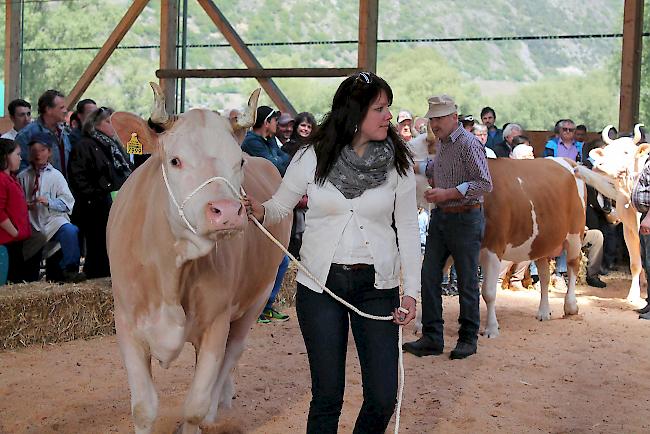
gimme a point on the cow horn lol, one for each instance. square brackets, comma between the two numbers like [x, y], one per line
[605, 135]
[159, 115]
[247, 118]
[431, 138]
[637, 133]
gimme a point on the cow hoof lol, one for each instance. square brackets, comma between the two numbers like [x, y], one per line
[570, 310]
[636, 301]
[491, 332]
[543, 316]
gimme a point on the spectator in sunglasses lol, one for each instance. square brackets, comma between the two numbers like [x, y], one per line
[20, 113]
[564, 143]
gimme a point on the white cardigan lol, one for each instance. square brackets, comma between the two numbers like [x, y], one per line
[329, 212]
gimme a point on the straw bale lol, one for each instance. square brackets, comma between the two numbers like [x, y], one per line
[44, 312]
[287, 294]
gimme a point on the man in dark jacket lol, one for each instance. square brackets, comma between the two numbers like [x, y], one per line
[260, 141]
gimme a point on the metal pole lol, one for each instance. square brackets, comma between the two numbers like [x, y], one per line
[183, 55]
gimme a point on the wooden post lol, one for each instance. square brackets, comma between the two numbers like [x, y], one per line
[105, 52]
[368, 19]
[13, 39]
[245, 54]
[255, 72]
[631, 64]
[168, 44]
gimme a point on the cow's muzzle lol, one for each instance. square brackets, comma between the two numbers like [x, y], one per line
[225, 214]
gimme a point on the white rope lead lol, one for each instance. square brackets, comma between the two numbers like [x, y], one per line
[400, 360]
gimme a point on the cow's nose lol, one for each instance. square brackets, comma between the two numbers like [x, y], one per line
[225, 214]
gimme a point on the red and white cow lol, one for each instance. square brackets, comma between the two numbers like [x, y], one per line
[186, 264]
[536, 208]
[616, 168]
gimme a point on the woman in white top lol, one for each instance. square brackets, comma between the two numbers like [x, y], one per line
[359, 177]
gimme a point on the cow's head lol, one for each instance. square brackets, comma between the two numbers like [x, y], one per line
[200, 167]
[621, 159]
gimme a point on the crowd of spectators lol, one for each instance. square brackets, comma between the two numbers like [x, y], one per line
[59, 175]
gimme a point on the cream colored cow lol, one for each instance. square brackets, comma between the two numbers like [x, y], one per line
[186, 264]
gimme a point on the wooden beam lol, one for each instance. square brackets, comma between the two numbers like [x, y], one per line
[368, 20]
[13, 38]
[168, 50]
[255, 72]
[631, 64]
[105, 52]
[245, 54]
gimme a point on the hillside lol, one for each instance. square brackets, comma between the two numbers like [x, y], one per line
[477, 73]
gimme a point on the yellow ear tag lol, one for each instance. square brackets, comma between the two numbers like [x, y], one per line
[134, 146]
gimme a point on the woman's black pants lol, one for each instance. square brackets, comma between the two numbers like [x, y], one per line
[324, 323]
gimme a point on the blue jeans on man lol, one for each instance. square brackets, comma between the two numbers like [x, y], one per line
[68, 237]
[458, 235]
[645, 262]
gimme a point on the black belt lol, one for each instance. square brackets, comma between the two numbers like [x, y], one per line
[351, 267]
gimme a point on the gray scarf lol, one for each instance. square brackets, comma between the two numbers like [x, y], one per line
[352, 175]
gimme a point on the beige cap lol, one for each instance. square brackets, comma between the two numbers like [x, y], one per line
[441, 105]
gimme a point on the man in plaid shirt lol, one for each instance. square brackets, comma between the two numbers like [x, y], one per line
[641, 201]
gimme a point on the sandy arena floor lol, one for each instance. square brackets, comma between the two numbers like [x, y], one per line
[587, 373]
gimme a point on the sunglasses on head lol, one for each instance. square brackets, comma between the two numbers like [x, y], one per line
[271, 115]
[364, 77]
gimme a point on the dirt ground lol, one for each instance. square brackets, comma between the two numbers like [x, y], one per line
[586, 373]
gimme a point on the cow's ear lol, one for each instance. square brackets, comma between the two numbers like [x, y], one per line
[642, 149]
[128, 124]
[596, 153]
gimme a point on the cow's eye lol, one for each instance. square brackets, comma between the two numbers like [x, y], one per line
[176, 162]
[242, 162]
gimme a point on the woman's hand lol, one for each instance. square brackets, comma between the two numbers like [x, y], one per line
[406, 312]
[253, 208]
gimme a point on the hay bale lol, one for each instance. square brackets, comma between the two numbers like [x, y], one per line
[43, 312]
[287, 294]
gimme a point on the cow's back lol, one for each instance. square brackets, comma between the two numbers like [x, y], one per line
[532, 201]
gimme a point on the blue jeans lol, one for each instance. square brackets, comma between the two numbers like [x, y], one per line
[645, 258]
[282, 269]
[68, 237]
[560, 263]
[458, 235]
[325, 324]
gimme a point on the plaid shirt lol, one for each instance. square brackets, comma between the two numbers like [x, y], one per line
[641, 191]
[461, 163]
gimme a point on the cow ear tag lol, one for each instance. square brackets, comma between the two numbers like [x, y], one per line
[134, 146]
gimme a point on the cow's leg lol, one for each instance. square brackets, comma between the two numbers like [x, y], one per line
[223, 390]
[208, 364]
[137, 360]
[630, 220]
[573, 255]
[491, 265]
[544, 311]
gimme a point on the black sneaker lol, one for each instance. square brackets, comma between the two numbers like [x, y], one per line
[595, 282]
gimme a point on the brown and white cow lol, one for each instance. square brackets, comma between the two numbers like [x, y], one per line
[186, 264]
[535, 207]
[616, 168]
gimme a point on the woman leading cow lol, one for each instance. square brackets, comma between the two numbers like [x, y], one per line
[358, 175]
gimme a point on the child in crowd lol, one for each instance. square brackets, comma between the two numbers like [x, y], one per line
[50, 204]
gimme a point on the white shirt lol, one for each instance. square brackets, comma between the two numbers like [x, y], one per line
[11, 134]
[330, 213]
[48, 219]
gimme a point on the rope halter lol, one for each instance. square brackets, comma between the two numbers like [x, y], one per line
[181, 207]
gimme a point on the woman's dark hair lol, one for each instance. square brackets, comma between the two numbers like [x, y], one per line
[300, 118]
[520, 140]
[349, 108]
[6, 147]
